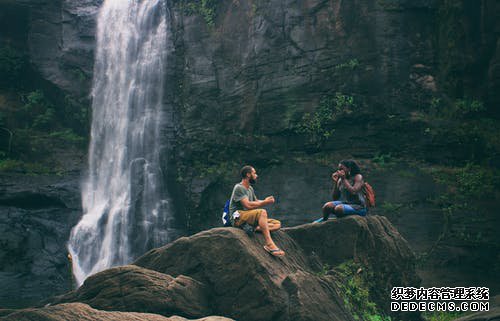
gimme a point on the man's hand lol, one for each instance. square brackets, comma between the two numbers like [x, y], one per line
[269, 200]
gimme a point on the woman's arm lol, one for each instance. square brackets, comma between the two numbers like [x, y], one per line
[336, 190]
[358, 184]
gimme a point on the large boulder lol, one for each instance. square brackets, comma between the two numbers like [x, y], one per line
[82, 312]
[246, 283]
[373, 242]
[131, 288]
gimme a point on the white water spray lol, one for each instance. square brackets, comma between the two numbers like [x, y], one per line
[124, 213]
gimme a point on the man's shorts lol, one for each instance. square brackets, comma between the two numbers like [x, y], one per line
[251, 217]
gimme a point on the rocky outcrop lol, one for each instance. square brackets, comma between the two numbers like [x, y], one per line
[130, 288]
[61, 42]
[82, 312]
[492, 315]
[363, 241]
[225, 272]
[246, 283]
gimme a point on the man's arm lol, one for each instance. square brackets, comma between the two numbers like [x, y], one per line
[251, 205]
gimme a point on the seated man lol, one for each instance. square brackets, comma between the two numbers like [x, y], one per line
[248, 207]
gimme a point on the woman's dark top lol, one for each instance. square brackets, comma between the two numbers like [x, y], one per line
[356, 200]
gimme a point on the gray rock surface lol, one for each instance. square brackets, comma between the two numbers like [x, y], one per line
[82, 312]
[36, 216]
[130, 288]
[362, 240]
[492, 315]
[246, 283]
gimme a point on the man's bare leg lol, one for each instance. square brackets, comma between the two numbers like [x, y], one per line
[273, 226]
[264, 228]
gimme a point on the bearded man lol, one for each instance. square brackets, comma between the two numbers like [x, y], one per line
[246, 208]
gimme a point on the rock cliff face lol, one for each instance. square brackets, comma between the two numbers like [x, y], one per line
[253, 85]
[225, 272]
[248, 81]
[37, 214]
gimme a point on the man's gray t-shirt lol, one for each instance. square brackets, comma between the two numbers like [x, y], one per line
[239, 193]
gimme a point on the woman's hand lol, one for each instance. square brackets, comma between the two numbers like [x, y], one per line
[341, 173]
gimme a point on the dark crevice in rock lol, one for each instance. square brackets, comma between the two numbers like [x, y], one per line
[31, 201]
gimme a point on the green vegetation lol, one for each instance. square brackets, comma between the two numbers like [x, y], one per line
[12, 66]
[325, 268]
[466, 188]
[389, 5]
[441, 315]
[457, 109]
[406, 174]
[450, 39]
[354, 284]
[33, 127]
[78, 74]
[383, 160]
[205, 8]
[468, 182]
[463, 127]
[389, 207]
[12, 165]
[466, 106]
[77, 115]
[318, 125]
[349, 65]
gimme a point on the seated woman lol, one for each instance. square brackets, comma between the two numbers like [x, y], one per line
[348, 196]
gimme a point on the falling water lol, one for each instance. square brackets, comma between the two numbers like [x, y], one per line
[124, 213]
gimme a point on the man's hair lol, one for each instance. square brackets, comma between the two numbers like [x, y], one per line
[247, 169]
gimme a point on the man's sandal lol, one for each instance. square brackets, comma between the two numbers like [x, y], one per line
[276, 252]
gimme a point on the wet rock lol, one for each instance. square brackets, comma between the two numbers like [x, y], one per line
[493, 314]
[362, 240]
[247, 283]
[130, 288]
[82, 312]
[36, 216]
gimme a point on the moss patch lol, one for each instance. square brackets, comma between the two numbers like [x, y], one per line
[354, 282]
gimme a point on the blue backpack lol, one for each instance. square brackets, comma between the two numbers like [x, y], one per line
[226, 217]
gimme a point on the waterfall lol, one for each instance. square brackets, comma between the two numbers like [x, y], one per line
[124, 205]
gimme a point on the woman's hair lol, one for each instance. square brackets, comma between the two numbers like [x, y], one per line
[352, 165]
